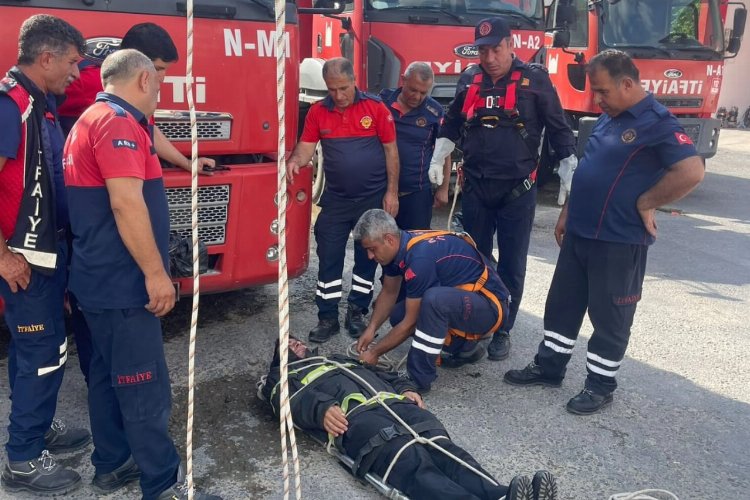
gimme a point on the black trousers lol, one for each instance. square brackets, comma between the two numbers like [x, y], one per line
[421, 471]
[606, 279]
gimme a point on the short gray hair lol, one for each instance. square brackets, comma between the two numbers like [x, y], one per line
[338, 66]
[42, 33]
[124, 64]
[374, 225]
[422, 70]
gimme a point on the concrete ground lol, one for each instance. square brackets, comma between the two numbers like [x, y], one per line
[679, 420]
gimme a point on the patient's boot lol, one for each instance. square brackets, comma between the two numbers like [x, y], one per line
[544, 486]
[520, 489]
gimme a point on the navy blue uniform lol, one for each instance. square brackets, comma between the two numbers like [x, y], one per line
[602, 261]
[432, 271]
[416, 132]
[497, 160]
[355, 170]
[35, 316]
[129, 389]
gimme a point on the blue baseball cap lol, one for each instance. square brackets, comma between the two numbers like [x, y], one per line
[491, 31]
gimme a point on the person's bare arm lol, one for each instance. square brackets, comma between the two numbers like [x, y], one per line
[396, 336]
[681, 178]
[382, 310]
[441, 194]
[390, 202]
[13, 267]
[301, 156]
[166, 151]
[134, 225]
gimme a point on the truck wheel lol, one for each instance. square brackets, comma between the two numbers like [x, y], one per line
[319, 178]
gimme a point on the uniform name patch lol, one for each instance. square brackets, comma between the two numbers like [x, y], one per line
[135, 378]
[683, 138]
[30, 328]
[124, 143]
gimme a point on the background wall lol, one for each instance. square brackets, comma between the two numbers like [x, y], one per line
[735, 89]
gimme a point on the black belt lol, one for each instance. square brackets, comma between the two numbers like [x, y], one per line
[521, 189]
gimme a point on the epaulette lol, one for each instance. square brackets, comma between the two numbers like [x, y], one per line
[367, 95]
[537, 66]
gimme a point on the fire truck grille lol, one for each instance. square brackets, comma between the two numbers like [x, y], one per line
[694, 131]
[213, 207]
[218, 130]
[680, 103]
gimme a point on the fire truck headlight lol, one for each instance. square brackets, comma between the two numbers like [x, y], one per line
[272, 254]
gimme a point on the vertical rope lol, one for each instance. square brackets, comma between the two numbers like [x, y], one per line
[285, 415]
[196, 264]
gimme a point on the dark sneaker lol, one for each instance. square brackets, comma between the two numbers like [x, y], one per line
[325, 329]
[40, 476]
[62, 439]
[531, 375]
[448, 360]
[544, 486]
[588, 402]
[113, 481]
[179, 490]
[499, 348]
[519, 489]
[355, 321]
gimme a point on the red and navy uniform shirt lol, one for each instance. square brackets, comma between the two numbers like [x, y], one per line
[441, 261]
[416, 132]
[12, 146]
[81, 93]
[352, 141]
[624, 157]
[110, 140]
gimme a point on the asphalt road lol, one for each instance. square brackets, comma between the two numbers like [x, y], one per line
[679, 420]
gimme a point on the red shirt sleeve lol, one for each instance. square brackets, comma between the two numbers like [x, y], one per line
[120, 149]
[384, 123]
[311, 132]
[82, 92]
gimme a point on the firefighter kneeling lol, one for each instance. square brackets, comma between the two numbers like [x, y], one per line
[450, 299]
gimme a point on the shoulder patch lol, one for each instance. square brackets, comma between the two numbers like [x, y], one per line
[432, 110]
[683, 138]
[537, 67]
[124, 143]
[367, 95]
[409, 275]
[6, 84]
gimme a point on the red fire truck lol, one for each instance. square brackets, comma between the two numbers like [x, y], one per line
[235, 90]
[678, 45]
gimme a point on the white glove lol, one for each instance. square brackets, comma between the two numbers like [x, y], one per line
[565, 172]
[443, 147]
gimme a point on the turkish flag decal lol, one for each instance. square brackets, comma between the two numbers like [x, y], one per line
[683, 138]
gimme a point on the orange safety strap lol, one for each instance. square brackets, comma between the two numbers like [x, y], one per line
[474, 101]
[477, 286]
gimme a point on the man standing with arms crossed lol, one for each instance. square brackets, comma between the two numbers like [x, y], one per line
[360, 160]
[637, 159]
[120, 223]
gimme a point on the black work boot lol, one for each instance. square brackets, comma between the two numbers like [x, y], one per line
[455, 360]
[519, 489]
[531, 375]
[355, 321]
[588, 402]
[325, 329]
[40, 476]
[61, 439]
[499, 348]
[179, 490]
[113, 481]
[544, 486]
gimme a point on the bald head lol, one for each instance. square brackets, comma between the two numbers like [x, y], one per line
[131, 75]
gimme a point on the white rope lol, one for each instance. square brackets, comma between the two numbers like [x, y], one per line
[285, 414]
[196, 264]
[384, 361]
[649, 494]
[456, 191]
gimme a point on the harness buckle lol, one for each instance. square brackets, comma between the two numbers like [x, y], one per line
[527, 184]
[388, 433]
[491, 101]
[490, 121]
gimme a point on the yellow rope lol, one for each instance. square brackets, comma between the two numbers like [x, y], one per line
[196, 264]
[285, 415]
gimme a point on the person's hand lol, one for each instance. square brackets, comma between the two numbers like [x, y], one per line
[369, 357]
[648, 216]
[292, 169]
[414, 396]
[390, 203]
[435, 173]
[441, 197]
[565, 171]
[562, 221]
[365, 340]
[334, 421]
[15, 270]
[206, 162]
[443, 147]
[161, 294]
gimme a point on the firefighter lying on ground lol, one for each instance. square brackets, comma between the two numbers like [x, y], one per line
[365, 413]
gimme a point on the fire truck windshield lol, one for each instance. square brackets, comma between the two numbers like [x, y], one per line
[672, 28]
[531, 10]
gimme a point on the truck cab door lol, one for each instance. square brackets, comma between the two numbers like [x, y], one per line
[341, 36]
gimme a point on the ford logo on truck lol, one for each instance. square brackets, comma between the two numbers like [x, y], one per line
[673, 73]
[100, 47]
[467, 51]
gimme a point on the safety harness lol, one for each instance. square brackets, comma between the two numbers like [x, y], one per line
[477, 286]
[474, 101]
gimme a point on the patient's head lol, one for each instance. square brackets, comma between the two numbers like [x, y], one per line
[297, 350]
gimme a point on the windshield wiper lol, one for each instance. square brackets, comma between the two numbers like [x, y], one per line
[461, 19]
[663, 50]
[510, 12]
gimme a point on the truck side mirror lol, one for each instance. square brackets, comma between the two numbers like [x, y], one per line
[565, 16]
[561, 39]
[738, 29]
